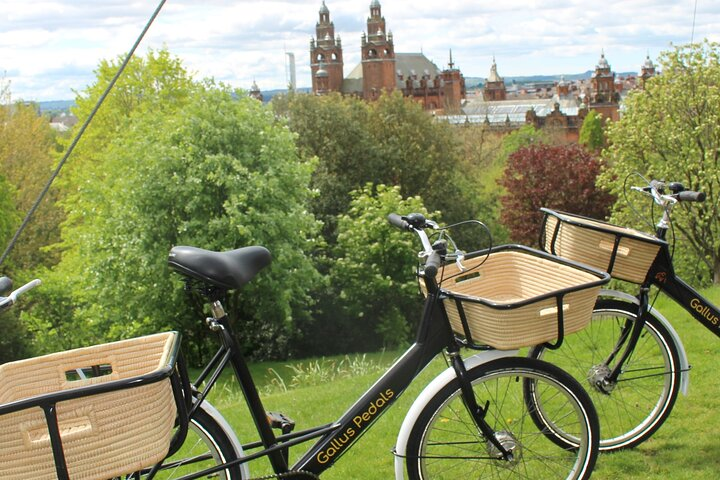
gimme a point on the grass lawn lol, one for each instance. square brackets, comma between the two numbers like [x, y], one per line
[686, 447]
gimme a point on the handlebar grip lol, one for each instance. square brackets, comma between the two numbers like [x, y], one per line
[689, 196]
[5, 285]
[397, 221]
[432, 264]
[28, 286]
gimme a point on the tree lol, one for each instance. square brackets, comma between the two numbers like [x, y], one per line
[482, 162]
[372, 276]
[9, 217]
[671, 131]
[392, 141]
[524, 136]
[27, 158]
[557, 177]
[592, 134]
[333, 129]
[217, 172]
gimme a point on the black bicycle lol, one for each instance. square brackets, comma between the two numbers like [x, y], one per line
[630, 356]
[491, 414]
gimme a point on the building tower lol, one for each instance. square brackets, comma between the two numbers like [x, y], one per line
[326, 57]
[494, 86]
[604, 99]
[453, 87]
[647, 71]
[563, 88]
[378, 56]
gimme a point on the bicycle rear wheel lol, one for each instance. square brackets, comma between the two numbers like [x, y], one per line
[445, 443]
[633, 408]
[206, 445]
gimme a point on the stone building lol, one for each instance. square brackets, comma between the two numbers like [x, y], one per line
[604, 97]
[494, 90]
[381, 68]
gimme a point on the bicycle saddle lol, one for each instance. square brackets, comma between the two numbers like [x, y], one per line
[228, 270]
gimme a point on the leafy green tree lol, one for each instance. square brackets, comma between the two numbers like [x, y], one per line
[9, 216]
[671, 131]
[392, 141]
[27, 158]
[525, 136]
[157, 83]
[482, 163]
[558, 177]
[217, 172]
[420, 155]
[592, 134]
[372, 277]
[334, 129]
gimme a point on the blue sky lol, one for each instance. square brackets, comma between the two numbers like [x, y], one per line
[49, 48]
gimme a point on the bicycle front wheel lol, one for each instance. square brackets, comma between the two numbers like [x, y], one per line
[632, 408]
[207, 445]
[445, 442]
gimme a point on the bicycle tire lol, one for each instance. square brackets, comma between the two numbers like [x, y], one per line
[633, 409]
[445, 442]
[207, 439]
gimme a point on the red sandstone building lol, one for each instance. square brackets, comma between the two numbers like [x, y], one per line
[381, 68]
[561, 106]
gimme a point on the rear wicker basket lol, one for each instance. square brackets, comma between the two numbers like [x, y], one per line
[103, 435]
[624, 253]
[518, 297]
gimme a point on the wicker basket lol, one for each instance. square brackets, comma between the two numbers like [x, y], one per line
[624, 253]
[518, 297]
[103, 435]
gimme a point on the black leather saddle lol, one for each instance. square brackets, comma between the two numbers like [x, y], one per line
[228, 270]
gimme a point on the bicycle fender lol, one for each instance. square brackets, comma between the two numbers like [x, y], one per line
[220, 420]
[427, 394]
[684, 363]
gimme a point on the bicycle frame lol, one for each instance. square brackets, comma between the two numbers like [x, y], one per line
[662, 274]
[333, 440]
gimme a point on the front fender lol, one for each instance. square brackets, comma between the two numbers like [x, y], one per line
[428, 393]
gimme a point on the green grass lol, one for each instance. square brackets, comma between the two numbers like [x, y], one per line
[686, 447]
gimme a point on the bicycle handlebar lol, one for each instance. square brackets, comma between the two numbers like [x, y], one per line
[690, 196]
[5, 284]
[398, 221]
[656, 189]
[7, 302]
[416, 222]
[432, 264]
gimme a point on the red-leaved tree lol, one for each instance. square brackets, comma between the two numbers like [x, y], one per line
[558, 177]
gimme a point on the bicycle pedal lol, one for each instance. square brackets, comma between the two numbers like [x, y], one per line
[280, 421]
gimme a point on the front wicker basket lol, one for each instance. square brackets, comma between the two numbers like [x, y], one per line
[518, 297]
[104, 435]
[624, 253]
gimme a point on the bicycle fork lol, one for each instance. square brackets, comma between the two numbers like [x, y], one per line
[604, 378]
[478, 413]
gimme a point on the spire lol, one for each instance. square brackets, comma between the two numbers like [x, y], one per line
[494, 77]
[648, 63]
[450, 63]
[603, 63]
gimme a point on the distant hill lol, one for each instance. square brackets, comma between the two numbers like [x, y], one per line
[472, 82]
[56, 106]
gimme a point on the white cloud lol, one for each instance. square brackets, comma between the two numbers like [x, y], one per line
[241, 41]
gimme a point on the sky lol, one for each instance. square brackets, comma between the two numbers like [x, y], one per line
[49, 49]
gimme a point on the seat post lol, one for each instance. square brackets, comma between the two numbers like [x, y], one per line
[220, 323]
